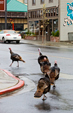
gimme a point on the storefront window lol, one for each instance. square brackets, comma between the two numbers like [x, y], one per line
[34, 27]
[42, 1]
[31, 26]
[55, 24]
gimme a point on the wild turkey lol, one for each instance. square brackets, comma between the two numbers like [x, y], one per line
[15, 57]
[45, 67]
[54, 73]
[43, 62]
[42, 57]
[43, 87]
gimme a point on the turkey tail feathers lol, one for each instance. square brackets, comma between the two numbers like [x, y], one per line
[23, 61]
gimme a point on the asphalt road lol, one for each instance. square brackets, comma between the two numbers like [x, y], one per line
[58, 100]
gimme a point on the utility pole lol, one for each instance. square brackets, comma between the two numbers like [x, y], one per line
[27, 14]
[5, 14]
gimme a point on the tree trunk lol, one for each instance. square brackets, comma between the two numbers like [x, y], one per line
[42, 36]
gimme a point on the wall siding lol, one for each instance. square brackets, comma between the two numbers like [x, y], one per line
[38, 5]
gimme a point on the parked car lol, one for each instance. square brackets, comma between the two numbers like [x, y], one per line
[10, 35]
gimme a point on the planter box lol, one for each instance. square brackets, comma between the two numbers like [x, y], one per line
[54, 39]
[30, 37]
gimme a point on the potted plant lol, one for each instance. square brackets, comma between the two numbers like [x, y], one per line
[55, 36]
[30, 36]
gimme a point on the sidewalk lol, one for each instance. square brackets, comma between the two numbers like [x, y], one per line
[9, 82]
[49, 43]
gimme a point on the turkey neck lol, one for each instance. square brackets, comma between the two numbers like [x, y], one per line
[11, 51]
[46, 76]
[55, 64]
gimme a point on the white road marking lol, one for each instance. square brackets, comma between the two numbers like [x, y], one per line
[66, 76]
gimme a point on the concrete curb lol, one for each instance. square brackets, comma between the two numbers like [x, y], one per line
[55, 46]
[13, 88]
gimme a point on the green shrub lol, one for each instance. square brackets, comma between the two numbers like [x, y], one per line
[53, 33]
[23, 37]
[28, 33]
[56, 34]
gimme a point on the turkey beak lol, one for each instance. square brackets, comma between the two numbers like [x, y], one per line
[38, 94]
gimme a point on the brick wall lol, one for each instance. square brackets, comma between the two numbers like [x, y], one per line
[30, 37]
[54, 39]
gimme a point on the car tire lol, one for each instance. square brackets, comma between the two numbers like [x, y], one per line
[9, 41]
[17, 42]
[3, 39]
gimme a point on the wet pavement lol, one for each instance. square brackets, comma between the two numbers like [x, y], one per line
[58, 100]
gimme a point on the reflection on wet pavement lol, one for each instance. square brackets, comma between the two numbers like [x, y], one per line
[55, 92]
[43, 106]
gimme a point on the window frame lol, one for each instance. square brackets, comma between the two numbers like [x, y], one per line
[25, 1]
[50, 1]
[42, 2]
[33, 2]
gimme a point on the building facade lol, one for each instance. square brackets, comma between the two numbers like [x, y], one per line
[58, 15]
[66, 20]
[17, 12]
[23, 1]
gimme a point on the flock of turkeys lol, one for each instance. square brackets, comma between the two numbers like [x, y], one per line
[50, 73]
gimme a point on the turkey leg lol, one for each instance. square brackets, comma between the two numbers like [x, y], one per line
[18, 63]
[11, 63]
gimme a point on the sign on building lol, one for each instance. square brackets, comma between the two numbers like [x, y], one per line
[2, 5]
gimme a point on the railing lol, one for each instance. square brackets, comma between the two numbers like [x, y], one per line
[50, 12]
[14, 14]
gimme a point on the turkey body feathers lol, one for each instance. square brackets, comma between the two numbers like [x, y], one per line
[45, 66]
[15, 57]
[41, 59]
[54, 73]
[55, 69]
[44, 63]
[43, 87]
